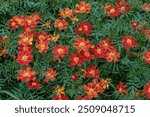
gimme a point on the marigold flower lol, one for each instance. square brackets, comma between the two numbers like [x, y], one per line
[83, 7]
[34, 84]
[42, 47]
[123, 9]
[54, 37]
[99, 87]
[129, 42]
[134, 24]
[146, 90]
[146, 57]
[25, 39]
[24, 58]
[148, 34]
[65, 13]
[60, 24]
[82, 44]
[113, 11]
[60, 51]
[98, 51]
[122, 88]
[50, 74]
[106, 43]
[112, 55]
[47, 24]
[120, 2]
[92, 72]
[146, 7]
[105, 83]
[42, 37]
[84, 28]
[84, 98]
[26, 48]
[76, 59]
[74, 18]
[90, 90]
[87, 56]
[26, 74]
[62, 97]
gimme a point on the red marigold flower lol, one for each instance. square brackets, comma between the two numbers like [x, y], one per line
[112, 55]
[146, 57]
[42, 37]
[84, 98]
[76, 59]
[65, 13]
[92, 72]
[106, 43]
[25, 39]
[16, 22]
[87, 56]
[146, 90]
[82, 44]
[26, 74]
[84, 28]
[83, 7]
[90, 90]
[42, 46]
[34, 84]
[123, 9]
[74, 77]
[60, 24]
[1, 39]
[134, 24]
[113, 11]
[98, 51]
[60, 51]
[27, 48]
[62, 97]
[99, 87]
[122, 88]
[24, 58]
[32, 20]
[129, 42]
[50, 74]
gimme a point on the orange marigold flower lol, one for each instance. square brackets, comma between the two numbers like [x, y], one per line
[146, 57]
[34, 84]
[26, 74]
[99, 87]
[25, 39]
[82, 44]
[65, 13]
[42, 37]
[112, 55]
[24, 58]
[129, 42]
[83, 7]
[122, 88]
[92, 72]
[42, 46]
[105, 82]
[146, 90]
[76, 59]
[47, 24]
[54, 37]
[60, 51]
[90, 90]
[59, 91]
[60, 24]
[84, 28]
[134, 24]
[50, 74]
